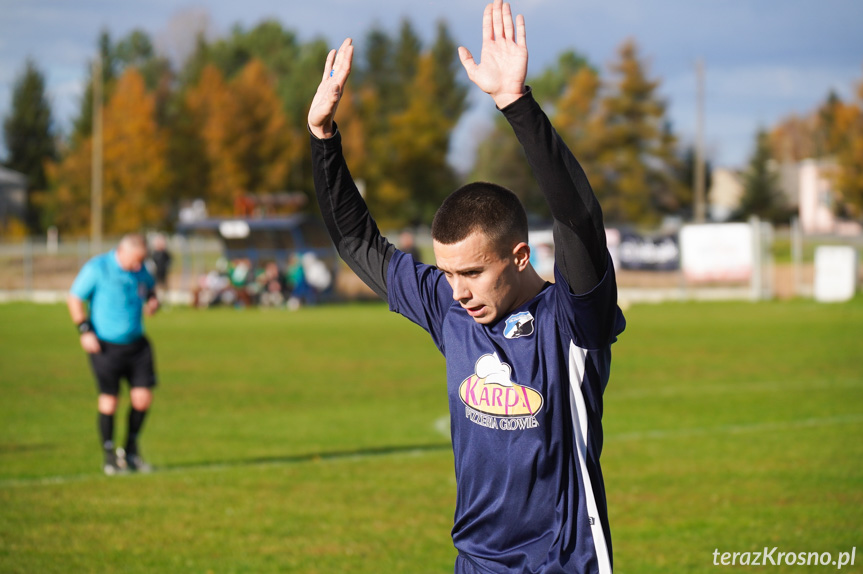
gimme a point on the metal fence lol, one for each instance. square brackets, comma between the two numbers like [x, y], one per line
[43, 270]
[40, 269]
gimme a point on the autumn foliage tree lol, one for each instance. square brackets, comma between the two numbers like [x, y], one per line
[847, 140]
[247, 141]
[230, 123]
[135, 172]
[135, 167]
[832, 132]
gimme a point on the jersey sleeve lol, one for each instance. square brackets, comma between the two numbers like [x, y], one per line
[346, 216]
[579, 234]
[85, 282]
[420, 293]
[593, 319]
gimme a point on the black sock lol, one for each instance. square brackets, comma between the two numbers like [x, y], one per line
[106, 431]
[136, 421]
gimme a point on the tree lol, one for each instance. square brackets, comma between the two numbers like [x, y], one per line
[82, 126]
[761, 195]
[67, 205]
[135, 50]
[684, 201]
[249, 144]
[570, 89]
[294, 70]
[211, 106]
[29, 136]
[267, 144]
[553, 81]
[377, 71]
[578, 121]
[135, 176]
[813, 135]
[848, 143]
[637, 155]
[135, 168]
[418, 177]
[450, 90]
[405, 62]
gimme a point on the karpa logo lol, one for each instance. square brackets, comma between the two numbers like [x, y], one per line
[491, 391]
[519, 325]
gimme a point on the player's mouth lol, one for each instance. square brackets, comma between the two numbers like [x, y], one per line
[475, 311]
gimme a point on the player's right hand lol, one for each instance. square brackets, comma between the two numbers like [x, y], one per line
[90, 343]
[323, 109]
[502, 69]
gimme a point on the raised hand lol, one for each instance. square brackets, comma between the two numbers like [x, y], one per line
[503, 61]
[336, 71]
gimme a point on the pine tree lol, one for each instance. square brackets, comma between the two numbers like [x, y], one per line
[637, 156]
[29, 136]
[761, 195]
[418, 172]
[450, 90]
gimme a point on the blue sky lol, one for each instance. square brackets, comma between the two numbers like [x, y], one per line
[763, 60]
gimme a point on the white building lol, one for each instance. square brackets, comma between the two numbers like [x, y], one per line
[725, 193]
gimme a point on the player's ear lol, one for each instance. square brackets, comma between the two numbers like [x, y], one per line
[521, 255]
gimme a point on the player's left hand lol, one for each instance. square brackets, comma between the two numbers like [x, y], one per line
[502, 69]
[322, 112]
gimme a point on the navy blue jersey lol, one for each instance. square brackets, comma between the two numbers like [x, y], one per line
[525, 393]
[525, 398]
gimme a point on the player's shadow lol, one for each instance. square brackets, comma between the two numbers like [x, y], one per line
[370, 452]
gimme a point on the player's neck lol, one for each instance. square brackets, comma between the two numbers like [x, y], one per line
[531, 285]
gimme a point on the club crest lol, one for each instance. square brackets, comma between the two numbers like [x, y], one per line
[519, 325]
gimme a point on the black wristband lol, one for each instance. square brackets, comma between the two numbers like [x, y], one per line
[85, 326]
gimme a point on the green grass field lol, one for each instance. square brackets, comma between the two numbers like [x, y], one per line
[310, 442]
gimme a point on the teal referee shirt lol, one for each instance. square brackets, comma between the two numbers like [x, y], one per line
[116, 297]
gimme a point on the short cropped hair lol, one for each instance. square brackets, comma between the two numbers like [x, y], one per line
[133, 241]
[486, 207]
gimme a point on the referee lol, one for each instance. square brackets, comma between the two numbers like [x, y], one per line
[116, 288]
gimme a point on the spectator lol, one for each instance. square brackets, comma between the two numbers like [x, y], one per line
[161, 260]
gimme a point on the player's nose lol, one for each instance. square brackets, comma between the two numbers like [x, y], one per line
[460, 291]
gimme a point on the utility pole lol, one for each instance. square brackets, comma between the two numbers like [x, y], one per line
[96, 168]
[700, 200]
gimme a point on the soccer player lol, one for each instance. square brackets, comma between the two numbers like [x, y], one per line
[117, 288]
[527, 361]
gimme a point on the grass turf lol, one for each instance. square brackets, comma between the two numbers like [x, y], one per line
[310, 442]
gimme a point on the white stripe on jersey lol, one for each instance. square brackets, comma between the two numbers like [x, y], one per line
[577, 359]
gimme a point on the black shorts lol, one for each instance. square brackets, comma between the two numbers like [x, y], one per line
[133, 362]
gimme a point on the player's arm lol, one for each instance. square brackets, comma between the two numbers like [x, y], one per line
[350, 225]
[78, 312]
[579, 234]
[151, 305]
[151, 299]
[580, 251]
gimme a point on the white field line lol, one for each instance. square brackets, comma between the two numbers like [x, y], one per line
[658, 434]
[618, 392]
[442, 426]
